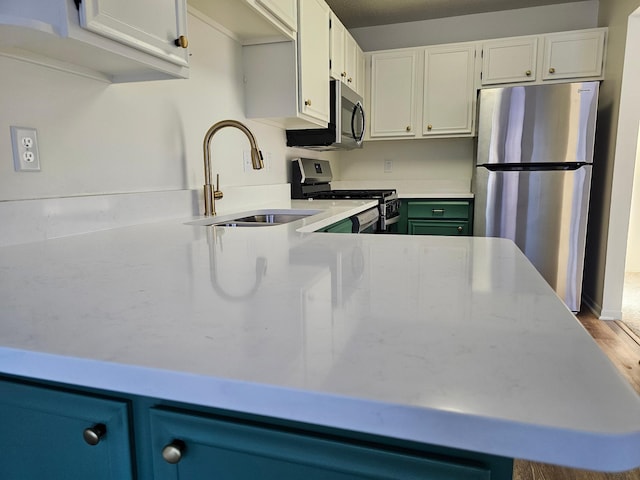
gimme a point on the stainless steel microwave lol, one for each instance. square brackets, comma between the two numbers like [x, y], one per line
[346, 123]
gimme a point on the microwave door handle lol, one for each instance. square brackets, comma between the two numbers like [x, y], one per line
[357, 109]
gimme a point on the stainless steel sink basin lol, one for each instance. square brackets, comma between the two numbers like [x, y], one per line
[257, 218]
[273, 218]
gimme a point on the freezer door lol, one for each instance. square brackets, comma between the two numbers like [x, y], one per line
[545, 214]
[537, 124]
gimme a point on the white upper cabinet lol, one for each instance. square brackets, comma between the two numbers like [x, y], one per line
[573, 55]
[337, 48]
[285, 11]
[509, 60]
[346, 56]
[251, 21]
[449, 91]
[552, 57]
[360, 72]
[109, 40]
[351, 61]
[313, 58]
[130, 23]
[287, 83]
[393, 93]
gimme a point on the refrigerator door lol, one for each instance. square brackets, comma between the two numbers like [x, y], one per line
[545, 214]
[537, 124]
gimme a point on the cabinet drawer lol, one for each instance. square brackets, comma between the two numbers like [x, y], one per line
[439, 227]
[227, 450]
[439, 209]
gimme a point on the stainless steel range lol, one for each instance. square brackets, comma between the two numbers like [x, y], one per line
[312, 179]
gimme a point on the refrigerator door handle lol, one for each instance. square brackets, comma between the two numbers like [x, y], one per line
[533, 167]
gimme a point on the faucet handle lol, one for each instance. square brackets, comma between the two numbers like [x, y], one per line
[217, 194]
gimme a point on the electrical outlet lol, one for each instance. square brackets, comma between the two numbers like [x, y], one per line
[25, 149]
[246, 161]
[388, 166]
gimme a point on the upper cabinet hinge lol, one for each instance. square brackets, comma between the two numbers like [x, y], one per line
[77, 2]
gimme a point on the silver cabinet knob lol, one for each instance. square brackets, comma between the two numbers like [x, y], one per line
[459, 229]
[552, 70]
[173, 452]
[528, 73]
[429, 127]
[93, 435]
[307, 103]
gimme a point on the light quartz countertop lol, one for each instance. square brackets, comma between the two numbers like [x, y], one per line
[453, 341]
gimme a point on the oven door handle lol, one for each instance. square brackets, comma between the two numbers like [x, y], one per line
[392, 220]
[364, 220]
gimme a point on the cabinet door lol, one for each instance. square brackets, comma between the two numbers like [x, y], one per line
[313, 52]
[337, 49]
[360, 71]
[509, 61]
[284, 10]
[343, 226]
[350, 60]
[573, 55]
[449, 93]
[393, 92]
[438, 227]
[42, 435]
[132, 23]
[224, 450]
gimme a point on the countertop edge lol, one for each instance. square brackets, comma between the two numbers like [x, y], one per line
[608, 452]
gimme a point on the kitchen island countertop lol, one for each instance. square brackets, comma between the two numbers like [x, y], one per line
[456, 342]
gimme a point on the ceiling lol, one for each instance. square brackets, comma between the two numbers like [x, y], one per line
[365, 13]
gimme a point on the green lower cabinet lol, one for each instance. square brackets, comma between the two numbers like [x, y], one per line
[343, 226]
[439, 227]
[208, 448]
[42, 435]
[452, 217]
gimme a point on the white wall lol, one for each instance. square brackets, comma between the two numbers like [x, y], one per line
[508, 23]
[100, 138]
[431, 159]
[614, 160]
[633, 242]
[449, 159]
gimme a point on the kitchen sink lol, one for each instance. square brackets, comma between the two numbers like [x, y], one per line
[258, 218]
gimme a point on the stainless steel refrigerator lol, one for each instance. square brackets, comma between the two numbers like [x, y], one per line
[533, 175]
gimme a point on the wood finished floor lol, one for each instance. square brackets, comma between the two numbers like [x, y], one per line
[618, 342]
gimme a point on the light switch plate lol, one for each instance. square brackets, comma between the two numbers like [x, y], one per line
[26, 157]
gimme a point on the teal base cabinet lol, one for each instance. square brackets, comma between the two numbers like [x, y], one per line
[44, 428]
[437, 217]
[57, 435]
[343, 226]
[212, 448]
